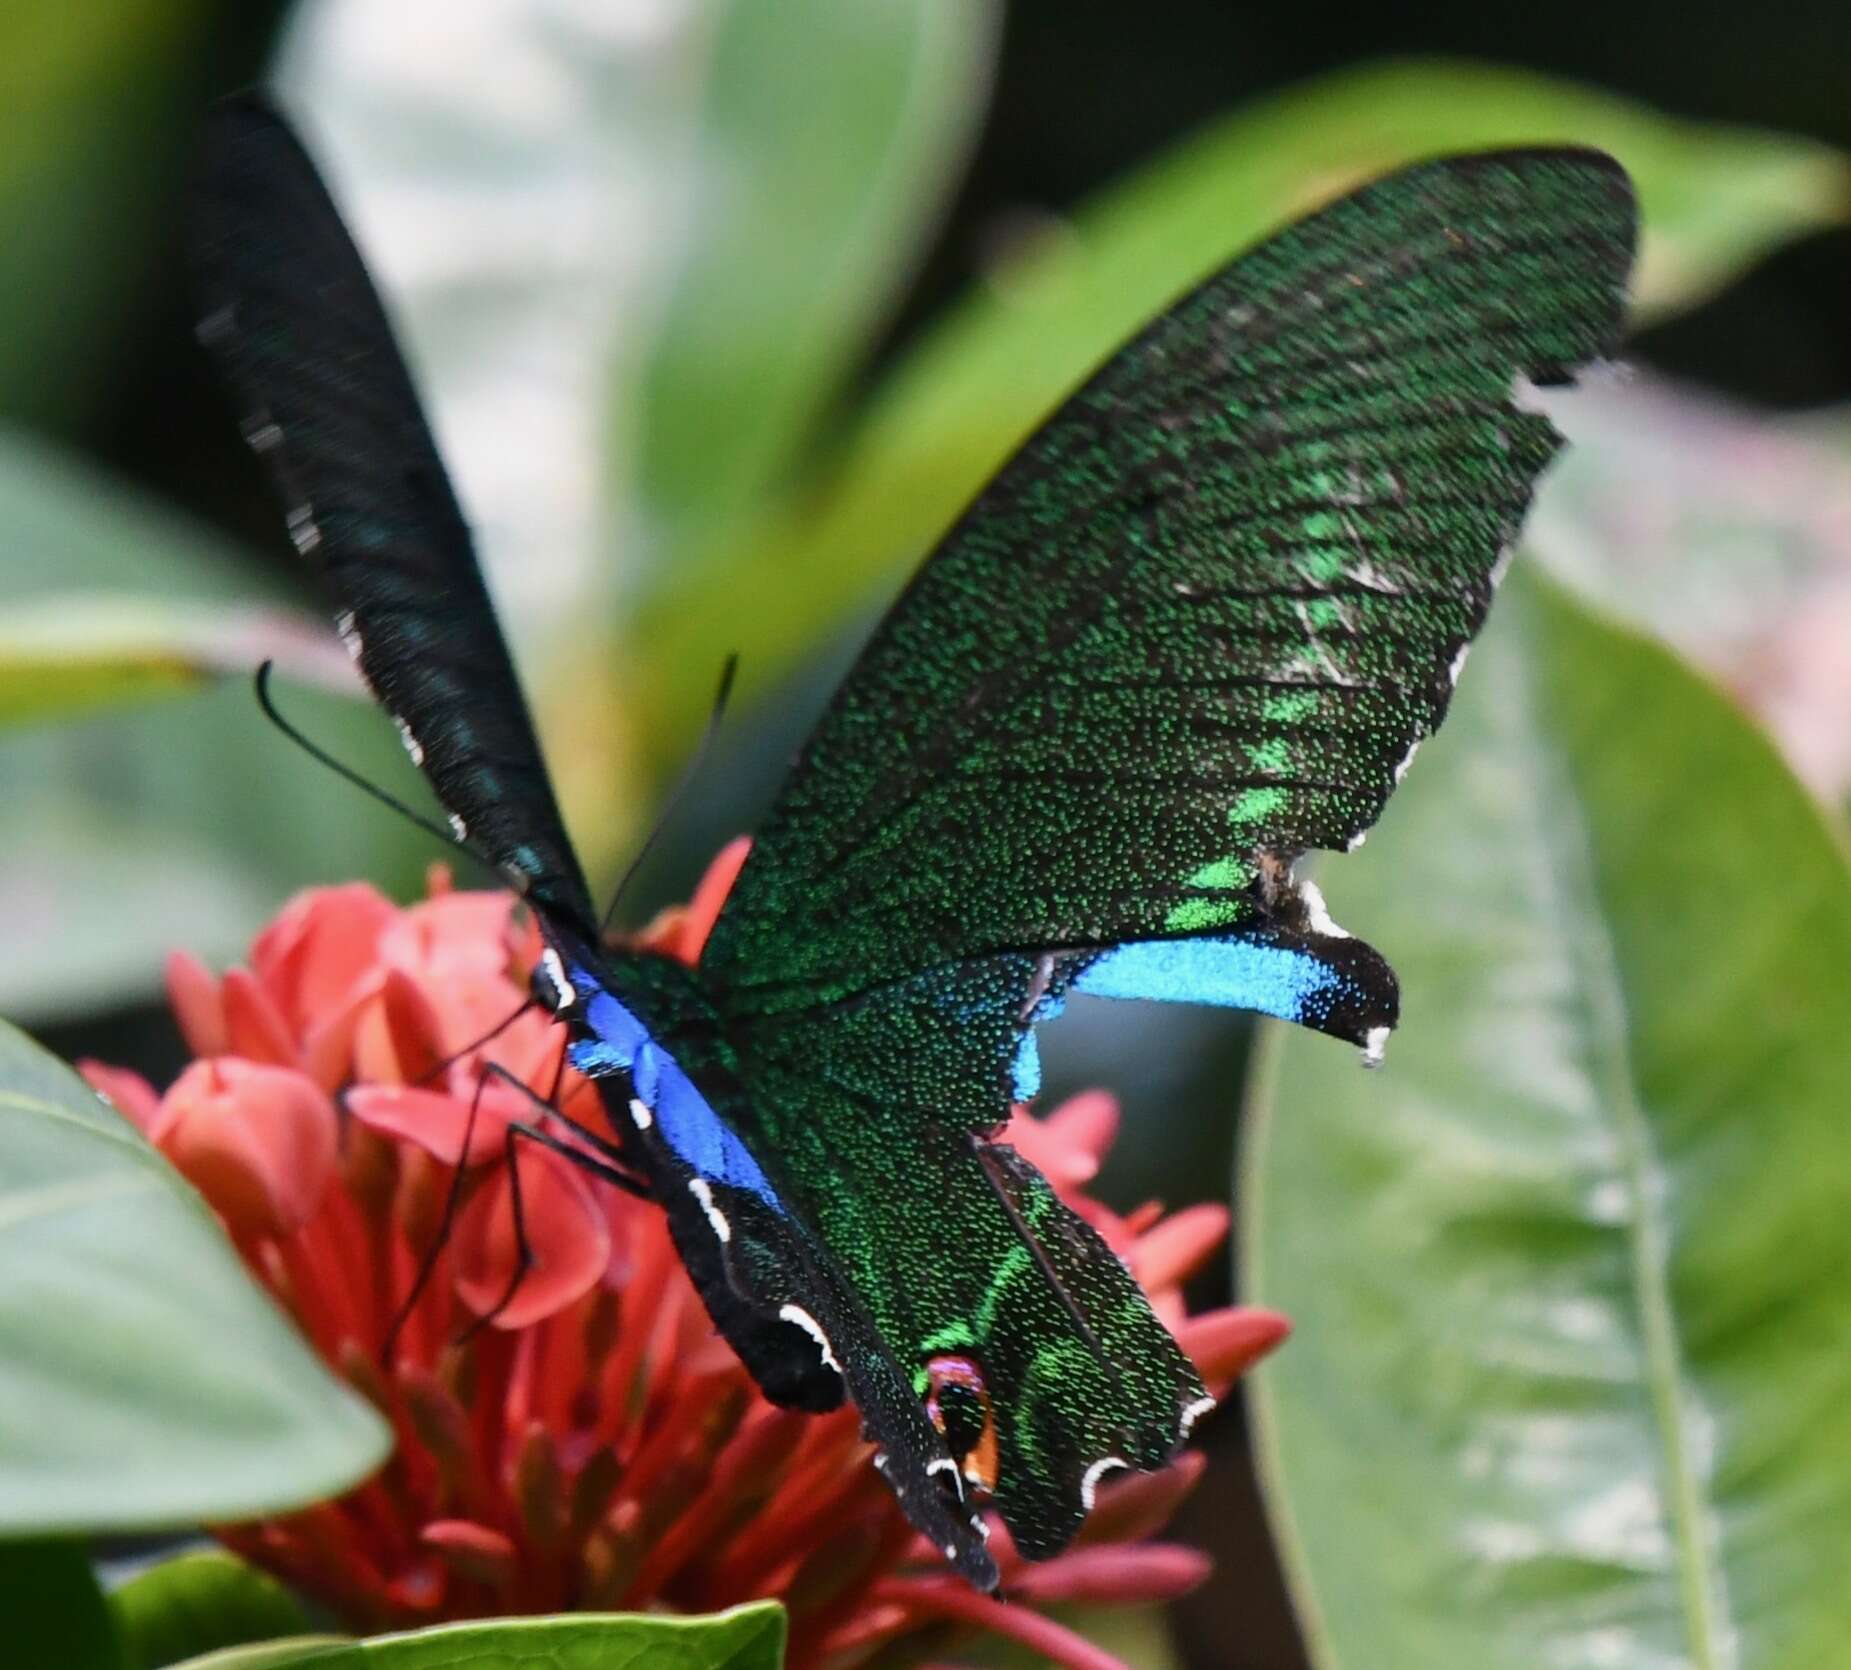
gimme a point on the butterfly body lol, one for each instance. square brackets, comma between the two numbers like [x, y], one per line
[1195, 628]
[668, 1089]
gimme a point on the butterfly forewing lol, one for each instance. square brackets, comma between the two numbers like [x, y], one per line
[290, 317]
[1207, 611]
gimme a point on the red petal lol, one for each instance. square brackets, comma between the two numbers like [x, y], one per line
[434, 1120]
[254, 1026]
[193, 995]
[257, 1141]
[1055, 1642]
[317, 955]
[327, 1050]
[128, 1093]
[1224, 1344]
[451, 934]
[1088, 1122]
[709, 898]
[568, 1243]
[531, 1049]
[473, 1551]
[1068, 1144]
[1108, 1575]
[1137, 1505]
[1173, 1251]
[399, 1037]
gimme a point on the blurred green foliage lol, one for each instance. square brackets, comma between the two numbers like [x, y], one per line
[54, 1608]
[91, 97]
[196, 1603]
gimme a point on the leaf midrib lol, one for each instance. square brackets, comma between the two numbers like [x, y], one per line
[1570, 843]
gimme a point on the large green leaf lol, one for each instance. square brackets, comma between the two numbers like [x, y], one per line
[746, 1638]
[184, 822]
[197, 1602]
[827, 140]
[145, 1381]
[285, 1654]
[1713, 197]
[1571, 1275]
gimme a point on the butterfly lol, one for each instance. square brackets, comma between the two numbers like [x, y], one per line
[1195, 627]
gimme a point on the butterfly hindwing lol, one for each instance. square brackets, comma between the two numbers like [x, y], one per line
[880, 1109]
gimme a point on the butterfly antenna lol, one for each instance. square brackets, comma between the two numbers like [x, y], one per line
[721, 697]
[341, 769]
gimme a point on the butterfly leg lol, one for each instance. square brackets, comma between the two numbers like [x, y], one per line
[521, 1131]
[437, 1070]
[600, 1168]
[427, 1265]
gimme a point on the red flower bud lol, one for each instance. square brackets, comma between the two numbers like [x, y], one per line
[257, 1141]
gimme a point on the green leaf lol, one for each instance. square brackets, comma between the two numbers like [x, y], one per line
[136, 830]
[1714, 199]
[745, 1638]
[274, 1655]
[146, 1381]
[1570, 1275]
[76, 654]
[828, 136]
[51, 1610]
[196, 1602]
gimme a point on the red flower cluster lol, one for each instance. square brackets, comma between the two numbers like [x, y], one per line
[598, 1446]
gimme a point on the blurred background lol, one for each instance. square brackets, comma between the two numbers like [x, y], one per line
[722, 311]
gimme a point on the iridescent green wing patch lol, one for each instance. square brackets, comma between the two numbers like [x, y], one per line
[967, 1261]
[1202, 619]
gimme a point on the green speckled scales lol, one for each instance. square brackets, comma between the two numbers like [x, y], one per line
[1196, 626]
[1211, 606]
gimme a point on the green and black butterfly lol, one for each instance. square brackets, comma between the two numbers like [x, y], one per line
[1196, 626]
